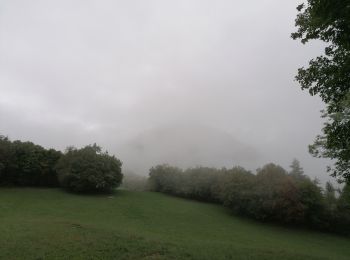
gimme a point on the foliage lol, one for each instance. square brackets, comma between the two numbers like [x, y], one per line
[272, 195]
[194, 183]
[89, 170]
[297, 171]
[329, 77]
[236, 190]
[342, 218]
[311, 198]
[165, 178]
[199, 182]
[27, 164]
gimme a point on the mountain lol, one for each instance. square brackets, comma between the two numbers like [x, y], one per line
[185, 145]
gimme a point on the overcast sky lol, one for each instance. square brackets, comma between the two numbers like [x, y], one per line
[119, 73]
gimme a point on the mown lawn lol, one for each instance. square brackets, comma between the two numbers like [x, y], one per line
[53, 224]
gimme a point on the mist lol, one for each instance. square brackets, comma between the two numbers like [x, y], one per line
[187, 83]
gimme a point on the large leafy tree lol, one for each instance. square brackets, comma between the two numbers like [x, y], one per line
[27, 164]
[328, 76]
[89, 170]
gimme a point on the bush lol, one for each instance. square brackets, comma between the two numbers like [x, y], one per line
[89, 170]
[27, 164]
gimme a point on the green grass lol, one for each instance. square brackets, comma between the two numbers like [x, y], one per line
[52, 224]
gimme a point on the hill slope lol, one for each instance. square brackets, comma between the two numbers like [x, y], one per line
[51, 224]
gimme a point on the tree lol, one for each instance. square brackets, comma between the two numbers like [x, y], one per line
[328, 76]
[27, 164]
[199, 182]
[6, 161]
[236, 190]
[331, 201]
[166, 178]
[342, 223]
[270, 179]
[297, 171]
[313, 202]
[89, 170]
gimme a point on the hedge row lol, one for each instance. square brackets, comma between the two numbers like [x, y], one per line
[272, 194]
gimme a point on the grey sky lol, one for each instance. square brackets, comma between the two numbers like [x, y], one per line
[118, 72]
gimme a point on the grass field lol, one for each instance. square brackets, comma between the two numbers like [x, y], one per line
[52, 224]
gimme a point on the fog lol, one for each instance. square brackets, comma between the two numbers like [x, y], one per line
[182, 82]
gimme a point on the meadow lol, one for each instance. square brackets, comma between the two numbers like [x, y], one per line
[53, 224]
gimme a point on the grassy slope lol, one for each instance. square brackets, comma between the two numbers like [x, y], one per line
[50, 224]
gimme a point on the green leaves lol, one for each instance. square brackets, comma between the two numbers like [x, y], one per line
[328, 76]
[27, 164]
[89, 170]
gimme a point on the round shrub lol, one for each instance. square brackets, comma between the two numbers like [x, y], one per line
[89, 170]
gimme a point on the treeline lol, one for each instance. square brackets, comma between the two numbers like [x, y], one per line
[27, 164]
[271, 195]
[88, 169]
